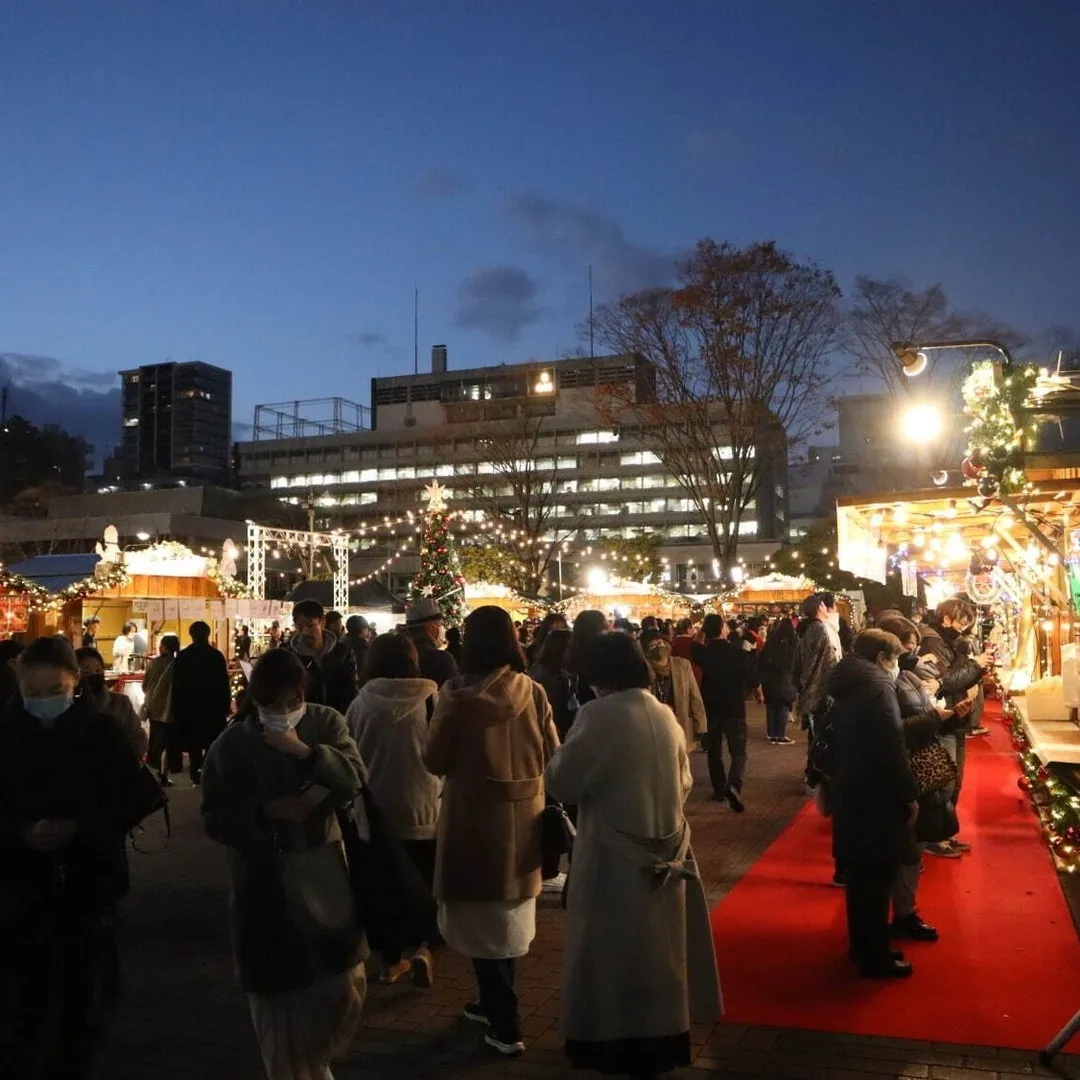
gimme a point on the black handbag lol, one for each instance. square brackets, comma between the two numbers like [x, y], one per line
[393, 902]
[557, 832]
[150, 797]
[937, 819]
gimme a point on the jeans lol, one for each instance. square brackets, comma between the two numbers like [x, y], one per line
[777, 715]
[495, 983]
[867, 892]
[732, 730]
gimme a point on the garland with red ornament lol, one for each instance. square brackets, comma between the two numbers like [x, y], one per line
[1057, 804]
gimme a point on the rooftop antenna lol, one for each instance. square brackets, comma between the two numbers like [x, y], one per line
[592, 349]
[416, 330]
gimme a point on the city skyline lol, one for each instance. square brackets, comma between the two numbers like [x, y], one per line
[263, 190]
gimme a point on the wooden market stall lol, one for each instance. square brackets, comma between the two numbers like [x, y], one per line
[1016, 558]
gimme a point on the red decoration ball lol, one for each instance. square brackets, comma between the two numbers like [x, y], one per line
[1072, 834]
[1043, 774]
[970, 470]
[1024, 784]
[1018, 743]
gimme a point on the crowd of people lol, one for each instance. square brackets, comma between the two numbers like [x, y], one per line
[458, 751]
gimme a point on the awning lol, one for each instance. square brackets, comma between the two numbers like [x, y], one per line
[56, 572]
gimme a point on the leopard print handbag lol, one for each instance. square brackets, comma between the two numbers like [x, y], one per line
[933, 768]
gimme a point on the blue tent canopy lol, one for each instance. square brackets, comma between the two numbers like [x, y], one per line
[56, 572]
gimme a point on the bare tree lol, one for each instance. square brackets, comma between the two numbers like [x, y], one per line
[887, 311]
[739, 352]
[521, 493]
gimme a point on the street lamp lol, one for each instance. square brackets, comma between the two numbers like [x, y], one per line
[914, 361]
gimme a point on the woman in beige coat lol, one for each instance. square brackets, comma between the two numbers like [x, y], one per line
[640, 963]
[490, 738]
[674, 685]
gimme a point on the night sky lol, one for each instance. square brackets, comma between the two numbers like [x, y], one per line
[260, 185]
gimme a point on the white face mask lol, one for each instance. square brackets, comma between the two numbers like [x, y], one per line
[281, 721]
[893, 672]
[833, 619]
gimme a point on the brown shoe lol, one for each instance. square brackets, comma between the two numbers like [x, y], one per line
[423, 968]
[392, 972]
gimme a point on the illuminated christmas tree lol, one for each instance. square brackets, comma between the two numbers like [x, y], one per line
[440, 570]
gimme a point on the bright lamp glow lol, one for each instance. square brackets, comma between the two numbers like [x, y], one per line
[922, 422]
[544, 383]
[143, 536]
[597, 579]
[737, 575]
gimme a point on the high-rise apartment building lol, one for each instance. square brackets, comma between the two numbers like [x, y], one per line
[479, 432]
[177, 422]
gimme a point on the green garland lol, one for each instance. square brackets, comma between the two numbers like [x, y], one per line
[1057, 803]
[43, 600]
[996, 433]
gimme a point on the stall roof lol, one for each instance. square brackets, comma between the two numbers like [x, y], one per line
[56, 572]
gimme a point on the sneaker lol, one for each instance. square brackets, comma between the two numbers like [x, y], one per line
[554, 884]
[734, 800]
[392, 972]
[959, 845]
[474, 1011]
[976, 732]
[773, 739]
[507, 1049]
[839, 881]
[423, 968]
[943, 850]
[787, 740]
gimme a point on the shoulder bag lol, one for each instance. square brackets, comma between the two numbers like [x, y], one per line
[318, 892]
[933, 768]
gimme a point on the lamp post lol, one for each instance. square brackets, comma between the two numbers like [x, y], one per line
[913, 358]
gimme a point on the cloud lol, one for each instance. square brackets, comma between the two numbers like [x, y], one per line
[438, 183]
[42, 390]
[498, 300]
[370, 338]
[581, 236]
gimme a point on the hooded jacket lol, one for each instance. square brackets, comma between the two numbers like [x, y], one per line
[389, 721]
[332, 677]
[872, 783]
[491, 738]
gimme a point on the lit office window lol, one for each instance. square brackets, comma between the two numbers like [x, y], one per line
[593, 438]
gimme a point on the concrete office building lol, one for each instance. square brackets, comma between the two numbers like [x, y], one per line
[177, 421]
[452, 425]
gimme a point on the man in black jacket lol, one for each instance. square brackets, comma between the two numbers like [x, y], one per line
[69, 792]
[873, 795]
[201, 697]
[424, 624]
[330, 663]
[725, 682]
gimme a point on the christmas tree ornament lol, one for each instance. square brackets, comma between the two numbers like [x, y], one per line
[970, 470]
[989, 487]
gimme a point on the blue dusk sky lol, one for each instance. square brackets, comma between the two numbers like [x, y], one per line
[261, 184]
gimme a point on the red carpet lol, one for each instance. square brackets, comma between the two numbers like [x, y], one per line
[1006, 971]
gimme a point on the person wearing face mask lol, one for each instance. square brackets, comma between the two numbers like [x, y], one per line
[675, 686]
[424, 624]
[201, 697]
[273, 781]
[69, 793]
[92, 685]
[873, 796]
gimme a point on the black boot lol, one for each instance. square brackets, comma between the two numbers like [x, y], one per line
[913, 928]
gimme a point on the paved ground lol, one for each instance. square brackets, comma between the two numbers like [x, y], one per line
[182, 1017]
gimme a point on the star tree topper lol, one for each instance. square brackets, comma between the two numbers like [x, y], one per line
[436, 497]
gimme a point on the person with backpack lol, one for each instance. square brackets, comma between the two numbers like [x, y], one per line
[69, 793]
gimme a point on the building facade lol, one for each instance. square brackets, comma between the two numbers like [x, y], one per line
[177, 422]
[495, 437]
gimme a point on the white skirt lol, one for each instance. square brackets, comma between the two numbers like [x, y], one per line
[488, 930]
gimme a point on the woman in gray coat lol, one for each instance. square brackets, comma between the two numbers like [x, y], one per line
[640, 963]
[272, 782]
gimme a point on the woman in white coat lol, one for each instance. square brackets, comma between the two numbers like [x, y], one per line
[640, 963]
